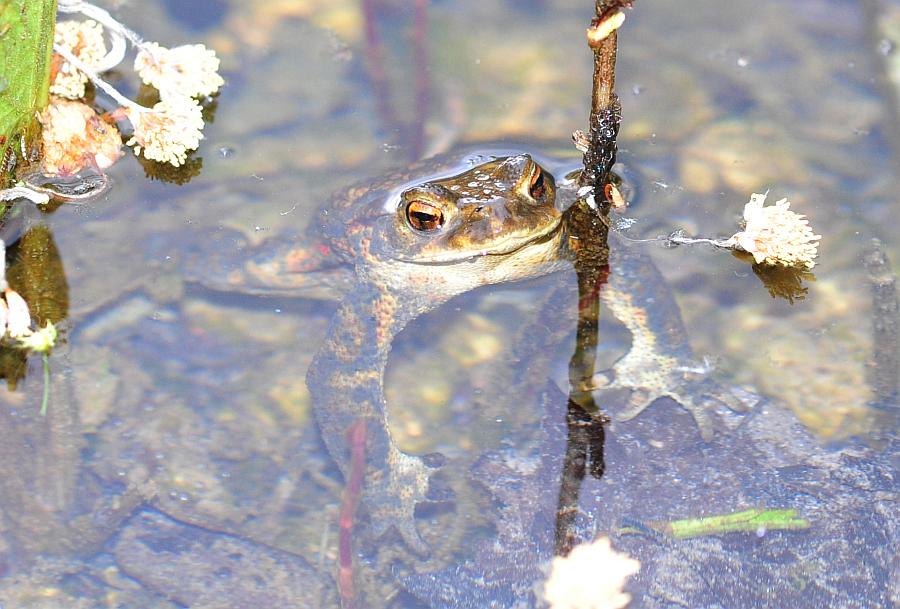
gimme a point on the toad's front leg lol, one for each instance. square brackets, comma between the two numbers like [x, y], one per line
[346, 382]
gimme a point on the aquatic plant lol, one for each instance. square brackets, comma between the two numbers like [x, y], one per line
[16, 326]
[774, 235]
[169, 130]
[26, 32]
[71, 132]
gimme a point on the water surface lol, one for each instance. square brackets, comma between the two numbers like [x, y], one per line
[168, 397]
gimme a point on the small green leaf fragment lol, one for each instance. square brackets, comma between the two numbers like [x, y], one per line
[747, 521]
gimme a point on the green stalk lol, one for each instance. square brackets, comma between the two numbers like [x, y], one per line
[45, 400]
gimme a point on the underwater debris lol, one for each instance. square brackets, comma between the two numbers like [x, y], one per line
[581, 140]
[590, 577]
[15, 317]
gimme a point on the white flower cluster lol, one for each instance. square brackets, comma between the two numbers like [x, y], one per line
[172, 128]
[590, 577]
[84, 39]
[190, 70]
[168, 131]
[175, 125]
[775, 235]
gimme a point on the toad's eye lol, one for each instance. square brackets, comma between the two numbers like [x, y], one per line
[424, 216]
[536, 189]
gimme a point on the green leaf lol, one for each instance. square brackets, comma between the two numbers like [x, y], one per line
[26, 46]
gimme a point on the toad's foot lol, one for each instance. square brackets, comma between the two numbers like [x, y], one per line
[391, 496]
[651, 376]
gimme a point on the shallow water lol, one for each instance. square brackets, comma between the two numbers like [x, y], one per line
[171, 397]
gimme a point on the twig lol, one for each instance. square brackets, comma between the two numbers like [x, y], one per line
[606, 111]
[584, 420]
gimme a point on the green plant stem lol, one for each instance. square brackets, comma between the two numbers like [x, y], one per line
[45, 400]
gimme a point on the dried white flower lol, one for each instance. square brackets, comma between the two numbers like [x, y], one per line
[84, 40]
[590, 577]
[18, 322]
[189, 70]
[168, 131]
[73, 134]
[775, 235]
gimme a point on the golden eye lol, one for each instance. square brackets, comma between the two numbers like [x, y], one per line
[424, 216]
[536, 189]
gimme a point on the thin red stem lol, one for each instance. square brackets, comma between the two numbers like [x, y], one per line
[356, 437]
[420, 56]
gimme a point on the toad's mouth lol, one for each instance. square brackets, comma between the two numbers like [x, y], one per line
[502, 247]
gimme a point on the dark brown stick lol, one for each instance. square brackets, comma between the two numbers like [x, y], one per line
[606, 112]
[604, 74]
[584, 419]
